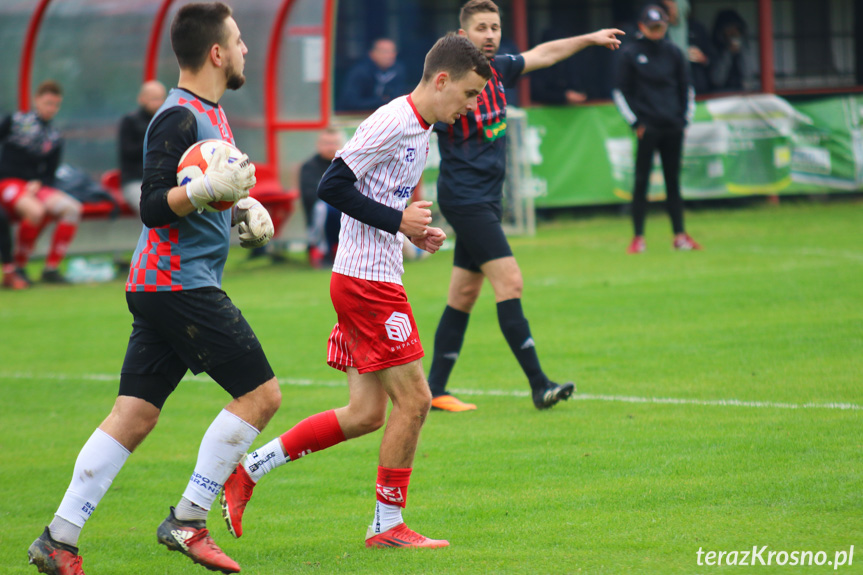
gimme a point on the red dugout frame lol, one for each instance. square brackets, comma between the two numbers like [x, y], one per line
[272, 123]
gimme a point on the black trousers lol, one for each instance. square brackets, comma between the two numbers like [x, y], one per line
[669, 143]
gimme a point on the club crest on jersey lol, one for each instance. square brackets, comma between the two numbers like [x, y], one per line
[411, 155]
[494, 131]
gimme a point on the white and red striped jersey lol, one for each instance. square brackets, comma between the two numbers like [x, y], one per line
[387, 155]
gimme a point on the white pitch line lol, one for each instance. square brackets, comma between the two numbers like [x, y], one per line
[486, 392]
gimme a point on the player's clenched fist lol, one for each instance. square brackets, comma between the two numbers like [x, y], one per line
[432, 241]
[253, 222]
[224, 181]
[415, 219]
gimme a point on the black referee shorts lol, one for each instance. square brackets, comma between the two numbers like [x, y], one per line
[479, 236]
[198, 329]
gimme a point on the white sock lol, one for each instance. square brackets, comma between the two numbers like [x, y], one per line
[264, 459]
[386, 516]
[98, 463]
[222, 447]
[188, 511]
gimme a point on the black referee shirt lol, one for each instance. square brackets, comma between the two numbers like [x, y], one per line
[473, 150]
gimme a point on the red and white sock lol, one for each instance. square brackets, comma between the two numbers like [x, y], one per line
[314, 433]
[63, 236]
[392, 494]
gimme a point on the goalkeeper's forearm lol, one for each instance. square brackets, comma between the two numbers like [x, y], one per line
[163, 207]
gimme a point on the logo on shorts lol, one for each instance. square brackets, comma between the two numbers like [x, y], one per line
[398, 326]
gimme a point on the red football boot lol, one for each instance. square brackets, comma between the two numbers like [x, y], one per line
[192, 539]
[402, 536]
[235, 495]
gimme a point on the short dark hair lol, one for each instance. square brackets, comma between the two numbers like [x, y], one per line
[457, 56]
[49, 87]
[476, 7]
[195, 29]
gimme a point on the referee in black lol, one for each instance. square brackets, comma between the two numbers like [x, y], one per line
[469, 192]
[655, 96]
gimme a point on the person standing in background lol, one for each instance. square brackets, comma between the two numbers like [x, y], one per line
[133, 128]
[375, 80]
[655, 97]
[322, 220]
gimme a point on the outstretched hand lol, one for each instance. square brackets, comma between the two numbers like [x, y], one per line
[607, 37]
[432, 241]
[415, 219]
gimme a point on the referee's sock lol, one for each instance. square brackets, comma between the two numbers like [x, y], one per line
[447, 344]
[516, 330]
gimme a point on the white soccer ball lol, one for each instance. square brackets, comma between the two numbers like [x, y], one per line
[196, 160]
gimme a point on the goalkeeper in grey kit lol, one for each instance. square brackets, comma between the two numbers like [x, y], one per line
[182, 320]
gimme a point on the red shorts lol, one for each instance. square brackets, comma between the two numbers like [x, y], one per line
[375, 329]
[11, 190]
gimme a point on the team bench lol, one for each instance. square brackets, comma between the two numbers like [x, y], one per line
[278, 201]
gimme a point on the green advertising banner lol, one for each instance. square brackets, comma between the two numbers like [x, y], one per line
[740, 145]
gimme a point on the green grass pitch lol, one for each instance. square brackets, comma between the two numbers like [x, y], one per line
[719, 407]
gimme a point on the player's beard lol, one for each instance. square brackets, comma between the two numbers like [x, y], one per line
[490, 50]
[235, 79]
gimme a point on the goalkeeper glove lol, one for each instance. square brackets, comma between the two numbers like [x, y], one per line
[223, 182]
[253, 222]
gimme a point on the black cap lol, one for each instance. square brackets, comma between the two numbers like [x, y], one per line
[653, 14]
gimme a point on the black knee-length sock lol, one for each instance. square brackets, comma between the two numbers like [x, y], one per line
[447, 345]
[516, 330]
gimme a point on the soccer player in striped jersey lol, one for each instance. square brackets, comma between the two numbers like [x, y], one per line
[181, 317]
[375, 340]
[470, 187]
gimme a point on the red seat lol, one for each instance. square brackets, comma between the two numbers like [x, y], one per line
[110, 181]
[269, 191]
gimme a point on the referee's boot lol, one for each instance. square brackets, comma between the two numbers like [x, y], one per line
[451, 403]
[546, 397]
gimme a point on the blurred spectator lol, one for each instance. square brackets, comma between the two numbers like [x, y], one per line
[655, 98]
[701, 56]
[11, 279]
[133, 128]
[678, 22]
[692, 38]
[374, 80]
[28, 163]
[729, 71]
[322, 220]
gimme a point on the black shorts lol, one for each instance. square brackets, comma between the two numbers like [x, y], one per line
[198, 329]
[479, 236]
